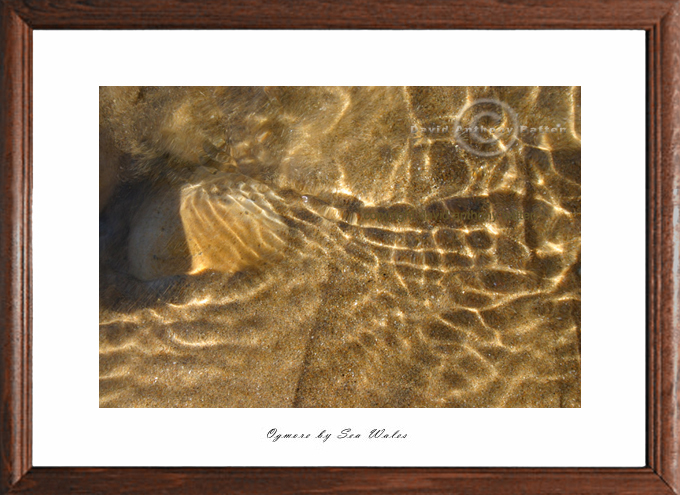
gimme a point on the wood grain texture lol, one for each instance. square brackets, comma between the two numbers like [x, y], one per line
[661, 20]
[346, 14]
[15, 259]
[668, 226]
[301, 481]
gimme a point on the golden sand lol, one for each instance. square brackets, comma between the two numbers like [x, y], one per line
[340, 247]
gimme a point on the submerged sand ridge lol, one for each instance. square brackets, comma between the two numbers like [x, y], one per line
[325, 256]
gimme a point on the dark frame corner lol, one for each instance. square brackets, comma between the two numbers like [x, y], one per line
[661, 21]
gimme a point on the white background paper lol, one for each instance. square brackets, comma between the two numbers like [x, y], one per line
[69, 429]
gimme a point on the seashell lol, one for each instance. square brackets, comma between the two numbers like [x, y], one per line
[229, 227]
[219, 222]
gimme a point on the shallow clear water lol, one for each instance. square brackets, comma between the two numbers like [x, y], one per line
[340, 247]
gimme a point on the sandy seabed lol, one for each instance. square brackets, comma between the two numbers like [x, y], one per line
[340, 247]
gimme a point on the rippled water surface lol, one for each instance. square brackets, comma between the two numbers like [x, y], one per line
[340, 247]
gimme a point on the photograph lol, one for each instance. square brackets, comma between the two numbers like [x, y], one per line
[340, 247]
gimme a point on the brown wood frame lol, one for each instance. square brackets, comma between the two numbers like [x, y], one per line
[661, 21]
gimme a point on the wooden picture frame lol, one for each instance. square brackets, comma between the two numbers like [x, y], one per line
[661, 21]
